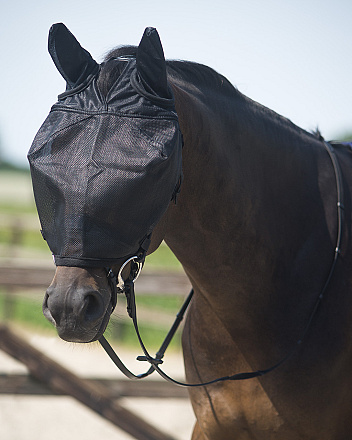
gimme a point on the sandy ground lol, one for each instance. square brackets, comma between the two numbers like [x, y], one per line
[61, 417]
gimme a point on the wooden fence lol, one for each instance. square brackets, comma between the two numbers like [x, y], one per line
[160, 283]
[96, 395]
[47, 377]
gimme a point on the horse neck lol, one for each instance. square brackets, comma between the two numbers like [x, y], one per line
[250, 208]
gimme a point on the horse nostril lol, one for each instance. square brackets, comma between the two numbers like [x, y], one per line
[46, 311]
[93, 308]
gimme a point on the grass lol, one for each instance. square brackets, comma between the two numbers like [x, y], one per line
[169, 303]
[10, 236]
[124, 333]
[24, 311]
[163, 259]
[15, 209]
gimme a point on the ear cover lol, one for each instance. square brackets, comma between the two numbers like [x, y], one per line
[73, 62]
[151, 64]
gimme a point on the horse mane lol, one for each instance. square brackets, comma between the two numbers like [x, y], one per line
[197, 79]
[186, 74]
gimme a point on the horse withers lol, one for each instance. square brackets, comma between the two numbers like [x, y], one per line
[255, 227]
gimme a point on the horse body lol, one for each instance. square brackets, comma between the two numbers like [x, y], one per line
[255, 229]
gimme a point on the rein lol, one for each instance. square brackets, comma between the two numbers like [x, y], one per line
[127, 287]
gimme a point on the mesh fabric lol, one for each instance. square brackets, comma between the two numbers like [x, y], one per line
[104, 169]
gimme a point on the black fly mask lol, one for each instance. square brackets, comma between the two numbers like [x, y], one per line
[105, 166]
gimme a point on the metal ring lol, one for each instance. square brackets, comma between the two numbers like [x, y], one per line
[120, 281]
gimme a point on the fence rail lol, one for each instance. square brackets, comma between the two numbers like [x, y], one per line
[165, 283]
[23, 384]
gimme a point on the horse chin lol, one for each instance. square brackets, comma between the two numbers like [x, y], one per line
[104, 324]
[79, 334]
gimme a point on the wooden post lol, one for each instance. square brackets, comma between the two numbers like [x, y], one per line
[93, 395]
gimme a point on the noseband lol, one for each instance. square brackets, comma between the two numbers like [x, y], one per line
[127, 287]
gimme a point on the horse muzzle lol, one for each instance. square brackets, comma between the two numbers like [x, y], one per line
[80, 313]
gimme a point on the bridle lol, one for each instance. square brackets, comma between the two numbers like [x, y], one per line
[119, 285]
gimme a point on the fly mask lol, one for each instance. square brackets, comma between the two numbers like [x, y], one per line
[105, 166]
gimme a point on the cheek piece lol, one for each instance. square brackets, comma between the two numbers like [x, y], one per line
[118, 284]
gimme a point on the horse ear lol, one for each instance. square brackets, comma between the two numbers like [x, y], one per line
[73, 62]
[151, 63]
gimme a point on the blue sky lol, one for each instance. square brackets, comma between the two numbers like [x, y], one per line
[294, 57]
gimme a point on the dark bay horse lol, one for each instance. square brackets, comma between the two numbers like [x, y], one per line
[255, 228]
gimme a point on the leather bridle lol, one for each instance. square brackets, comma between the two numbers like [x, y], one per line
[127, 287]
[117, 283]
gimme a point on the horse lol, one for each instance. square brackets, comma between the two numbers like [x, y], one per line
[254, 228]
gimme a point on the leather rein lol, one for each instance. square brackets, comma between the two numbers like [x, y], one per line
[118, 285]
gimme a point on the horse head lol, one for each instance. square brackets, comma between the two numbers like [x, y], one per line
[105, 165]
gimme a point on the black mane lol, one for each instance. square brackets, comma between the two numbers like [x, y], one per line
[184, 73]
[203, 81]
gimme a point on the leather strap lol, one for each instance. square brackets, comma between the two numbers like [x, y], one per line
[131, 306]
